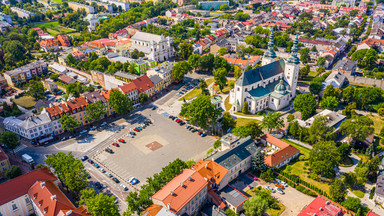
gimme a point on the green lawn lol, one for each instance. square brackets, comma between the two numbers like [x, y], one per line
[378, 123]
[358, 193]
[249, 115]
[58, 1]
[53, 28]
[26, 101]
[303, 150]
[227, 105]
[196, 91]
[245, 121]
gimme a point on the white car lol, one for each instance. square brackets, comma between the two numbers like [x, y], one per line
[281, 182]
[270, 188]
[83, 131]
[124, 187]
[102, 170]
[279, 190]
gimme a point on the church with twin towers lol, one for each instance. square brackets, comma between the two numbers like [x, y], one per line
[273, 85]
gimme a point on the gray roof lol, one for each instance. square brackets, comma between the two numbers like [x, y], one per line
[212, 210]
[339, 77]
[232, 196]
[41, 103]
[125, 75]
[94, 96]
[260, 92]
[231, 157]
[143, 36]
[345, 64]
[155, 79]
[35, 121]
[261, 73]
[380, 185]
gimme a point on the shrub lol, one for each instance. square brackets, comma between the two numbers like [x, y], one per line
[306, 163]
[217, 144]
[372, 193]
[301, 158]
[209, 151]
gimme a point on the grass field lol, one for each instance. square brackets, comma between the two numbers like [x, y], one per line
[303, 150]
[271, 212]
[378, 123]
[227, 105]
[358, 193]
[26, 101]
[244, 121]
[58, 1]
[53, 28]
[196, 91]
[249, 115]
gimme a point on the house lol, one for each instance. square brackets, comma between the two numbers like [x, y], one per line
[41, 104]
[158, 83]
[337, 79]
[347, 65]
[55, 113]
[77, 6]
[334, 119]
[49, 45]
[320, 206]
[184, 194]
[212, 210]
[271, 86]
[66, 79]
[379, 191]
[77, 107]
[4, 163]
[155, 47]
[14, 197]
[144, 85]
[4, 26]
[50, 86]
[64, 41]
[157, 210]
[372, 43]
[215, 174]
[131, 90]
[243, 63]
[281, 154]
[233, 198]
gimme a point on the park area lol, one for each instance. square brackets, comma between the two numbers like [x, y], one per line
[54, 28]
[27, 102]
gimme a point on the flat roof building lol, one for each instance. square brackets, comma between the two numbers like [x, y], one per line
[77, 6]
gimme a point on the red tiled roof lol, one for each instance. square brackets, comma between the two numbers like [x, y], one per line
[106, 94]
[49, 199]
[128, 87]
[371, 213]
[306, 40]
[19, 186]
[372, 41]
[49, 43]
[182, 195]
[152, 210]
[210, 170]
[3, 156]
[143, 83]
[321, 207]
[285, 151]
[78, 103]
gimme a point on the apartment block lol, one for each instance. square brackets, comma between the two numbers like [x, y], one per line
[108, 7]
[4, 163]
[124, 5]
[77, 6]
[22, 13]
[26, 72]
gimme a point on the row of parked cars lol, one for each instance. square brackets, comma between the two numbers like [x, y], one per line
[140, 128]
[187, 88]
[280, 186]
[188, 127]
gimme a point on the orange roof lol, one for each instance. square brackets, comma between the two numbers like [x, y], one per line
[80, 102]
[192, 182]
[77, 53]
[152, 210]
[128, 87]
[210, 170]
[19, 186]
[49, 43]
[96, 44]
[372, 41]
[371, 213]
[106, 94]
[143, 83]
[49, 199]
[285, 152]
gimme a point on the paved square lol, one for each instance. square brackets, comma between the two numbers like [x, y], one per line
[154, 146]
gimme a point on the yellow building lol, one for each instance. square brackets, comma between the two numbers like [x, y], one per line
[77, 6]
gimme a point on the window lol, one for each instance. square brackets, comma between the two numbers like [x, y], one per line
[2, 163]
[27, 200]
[5, 168]
[14, 207]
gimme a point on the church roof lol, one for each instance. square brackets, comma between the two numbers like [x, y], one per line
[261, 73]
[269, 89]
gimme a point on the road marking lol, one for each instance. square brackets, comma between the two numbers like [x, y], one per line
[20, 147]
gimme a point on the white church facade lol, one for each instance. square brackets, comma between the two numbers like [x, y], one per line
[273, 85]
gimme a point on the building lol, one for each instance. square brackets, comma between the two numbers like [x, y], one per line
[22, 13]
[320, 206]
[4, 163]
[233, 198]
[107, 7]
[155, 47]
[4, 25]
[77, 6]
[236, 155]
[337, 79]
[273, 85]
[50, 86]
[379, 191]
[346, 65]
[77, 109]
[14, 198]
[142, 65]
[92, 19]
[215, 174]
[49, 45]
[207, 5]
[66, 79]
[184, 194]
[372, 43]
[126, 77]
[334, 119]
[94, 97]
[64, 41]
[124, 5]
[164, 71]
[144, 85]
[157, 210]
[5, 17]
[280, 153]
[26, 72]
[371, 213]
[243, 63]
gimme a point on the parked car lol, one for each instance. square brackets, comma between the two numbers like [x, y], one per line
[170, 116]
[271, 189]
[200, 132]
[188, 126]
[132, 133]
[115, 180]
[94, 128]
[102, 170]
[194, 130]
[181, 123]
[133, 181]
[90, 161]
[153, 108]
[181, 93]
[124, 187]
[279, 185]
[84, 158]
[281, 182]
[98, 185]
[178, 120]
[96, 165]
[109, 175]
[279, 190]
[121, 140]
[64, 138]
[140, 128]
[137, 130]
[109, 150]
[116, 144]
[148, 121]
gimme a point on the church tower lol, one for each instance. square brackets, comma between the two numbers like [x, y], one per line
[269, 55]
[292, 67]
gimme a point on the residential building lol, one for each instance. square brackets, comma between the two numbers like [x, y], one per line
[346, 65]
[372, 43]
[371, 213]
[320, 206]
[4, 163]
[26, 72]
[55, 114]
[108, 7]
[215, 174]
[126, 77]
[236, 155]
[5, 17]
[144, 85]
[110, 109]
[207, 5]
[271, 86]
[334, 119]
[158, 83]
[164, 71]
[4, 25]
[243, 63]
[142, 65]
[157, 210]
[22, 13]
[184, 194]
[92, 19]
[77, 6]
[66, 79]
[31, 128]
[95, 96]
[131, 90]
[379, 191]
[124, 5]
[233, 198]
[337, 79]
[49, 45]
[50, 86]
[14, 198]
[155, 47]
[64, 41]
[118, 34]
[281, 153]
[3, 84]
[77, 107]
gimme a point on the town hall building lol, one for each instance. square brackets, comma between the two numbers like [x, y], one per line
[273, 85]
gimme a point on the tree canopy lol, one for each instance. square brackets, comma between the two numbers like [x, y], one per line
[69, 122]
[323, 158]
[306, 104]
[358, 127]
[10, 140]
[120, 102]
[272, 121]
[95, 111]
[99, 203]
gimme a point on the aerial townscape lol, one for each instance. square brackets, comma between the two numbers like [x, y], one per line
[191, 108]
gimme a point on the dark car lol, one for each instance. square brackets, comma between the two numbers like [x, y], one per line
[203, 135]
[109, 150]
[96, 165]
[194, 130]
[84, 158]
[90, 161]
[170, 116]
[115, 180]
[148, 121]
[132, 133]
[181, 123]
[98, 185]
[153, 108]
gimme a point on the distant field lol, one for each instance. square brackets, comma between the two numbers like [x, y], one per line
[58, 1]
[54, 28]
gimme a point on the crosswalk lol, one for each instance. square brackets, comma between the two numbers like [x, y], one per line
[20, 148]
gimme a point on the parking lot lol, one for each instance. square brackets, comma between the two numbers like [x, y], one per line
[151, 149]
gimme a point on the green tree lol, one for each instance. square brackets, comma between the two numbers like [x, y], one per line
[304, 55]
[224, 7]
[194, 60]
[220, 76]
[290, 117]
[120, 102]
[75, 89]
[267, 175]
[203, 86]
[348, 94]
[272, 121]
[358, 127]
[95, 111]
[10, 140]
[306, 104]
[324, 158]
[338, 190]
[227, 122]
[321, 61]
[304, 71]
[237, 72]
[143, 97]
[380, 112]
[36, 89]
[330, 103]
[319, 131]
[200, 111]
[315, 87]
[250, 129]
[255, 206]
[186, 50]
[245, 108]
[180, 70]
[349, 110]
[99, 204]
[222, 51]
[258, 163]
[345, 150]
[13, 172]
[351, 203]
[68, 122]
[331, 91]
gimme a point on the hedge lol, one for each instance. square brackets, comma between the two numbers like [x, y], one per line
[372, 193]
[306, 191]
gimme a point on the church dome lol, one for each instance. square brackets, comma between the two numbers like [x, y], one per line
[280, 87]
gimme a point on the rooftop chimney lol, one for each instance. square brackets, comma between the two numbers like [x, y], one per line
[182, 184]
[53, 197]
[190, 178]
[169, 206]
[68, 212]
[206, 166]
[172, 193]
[42, 184]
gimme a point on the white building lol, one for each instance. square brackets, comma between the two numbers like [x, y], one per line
[31, 128]
[5, 17]
[124, 5]
[155, 47]
[336, 78]
[164, 71]
[22, 13]
[272, 85]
